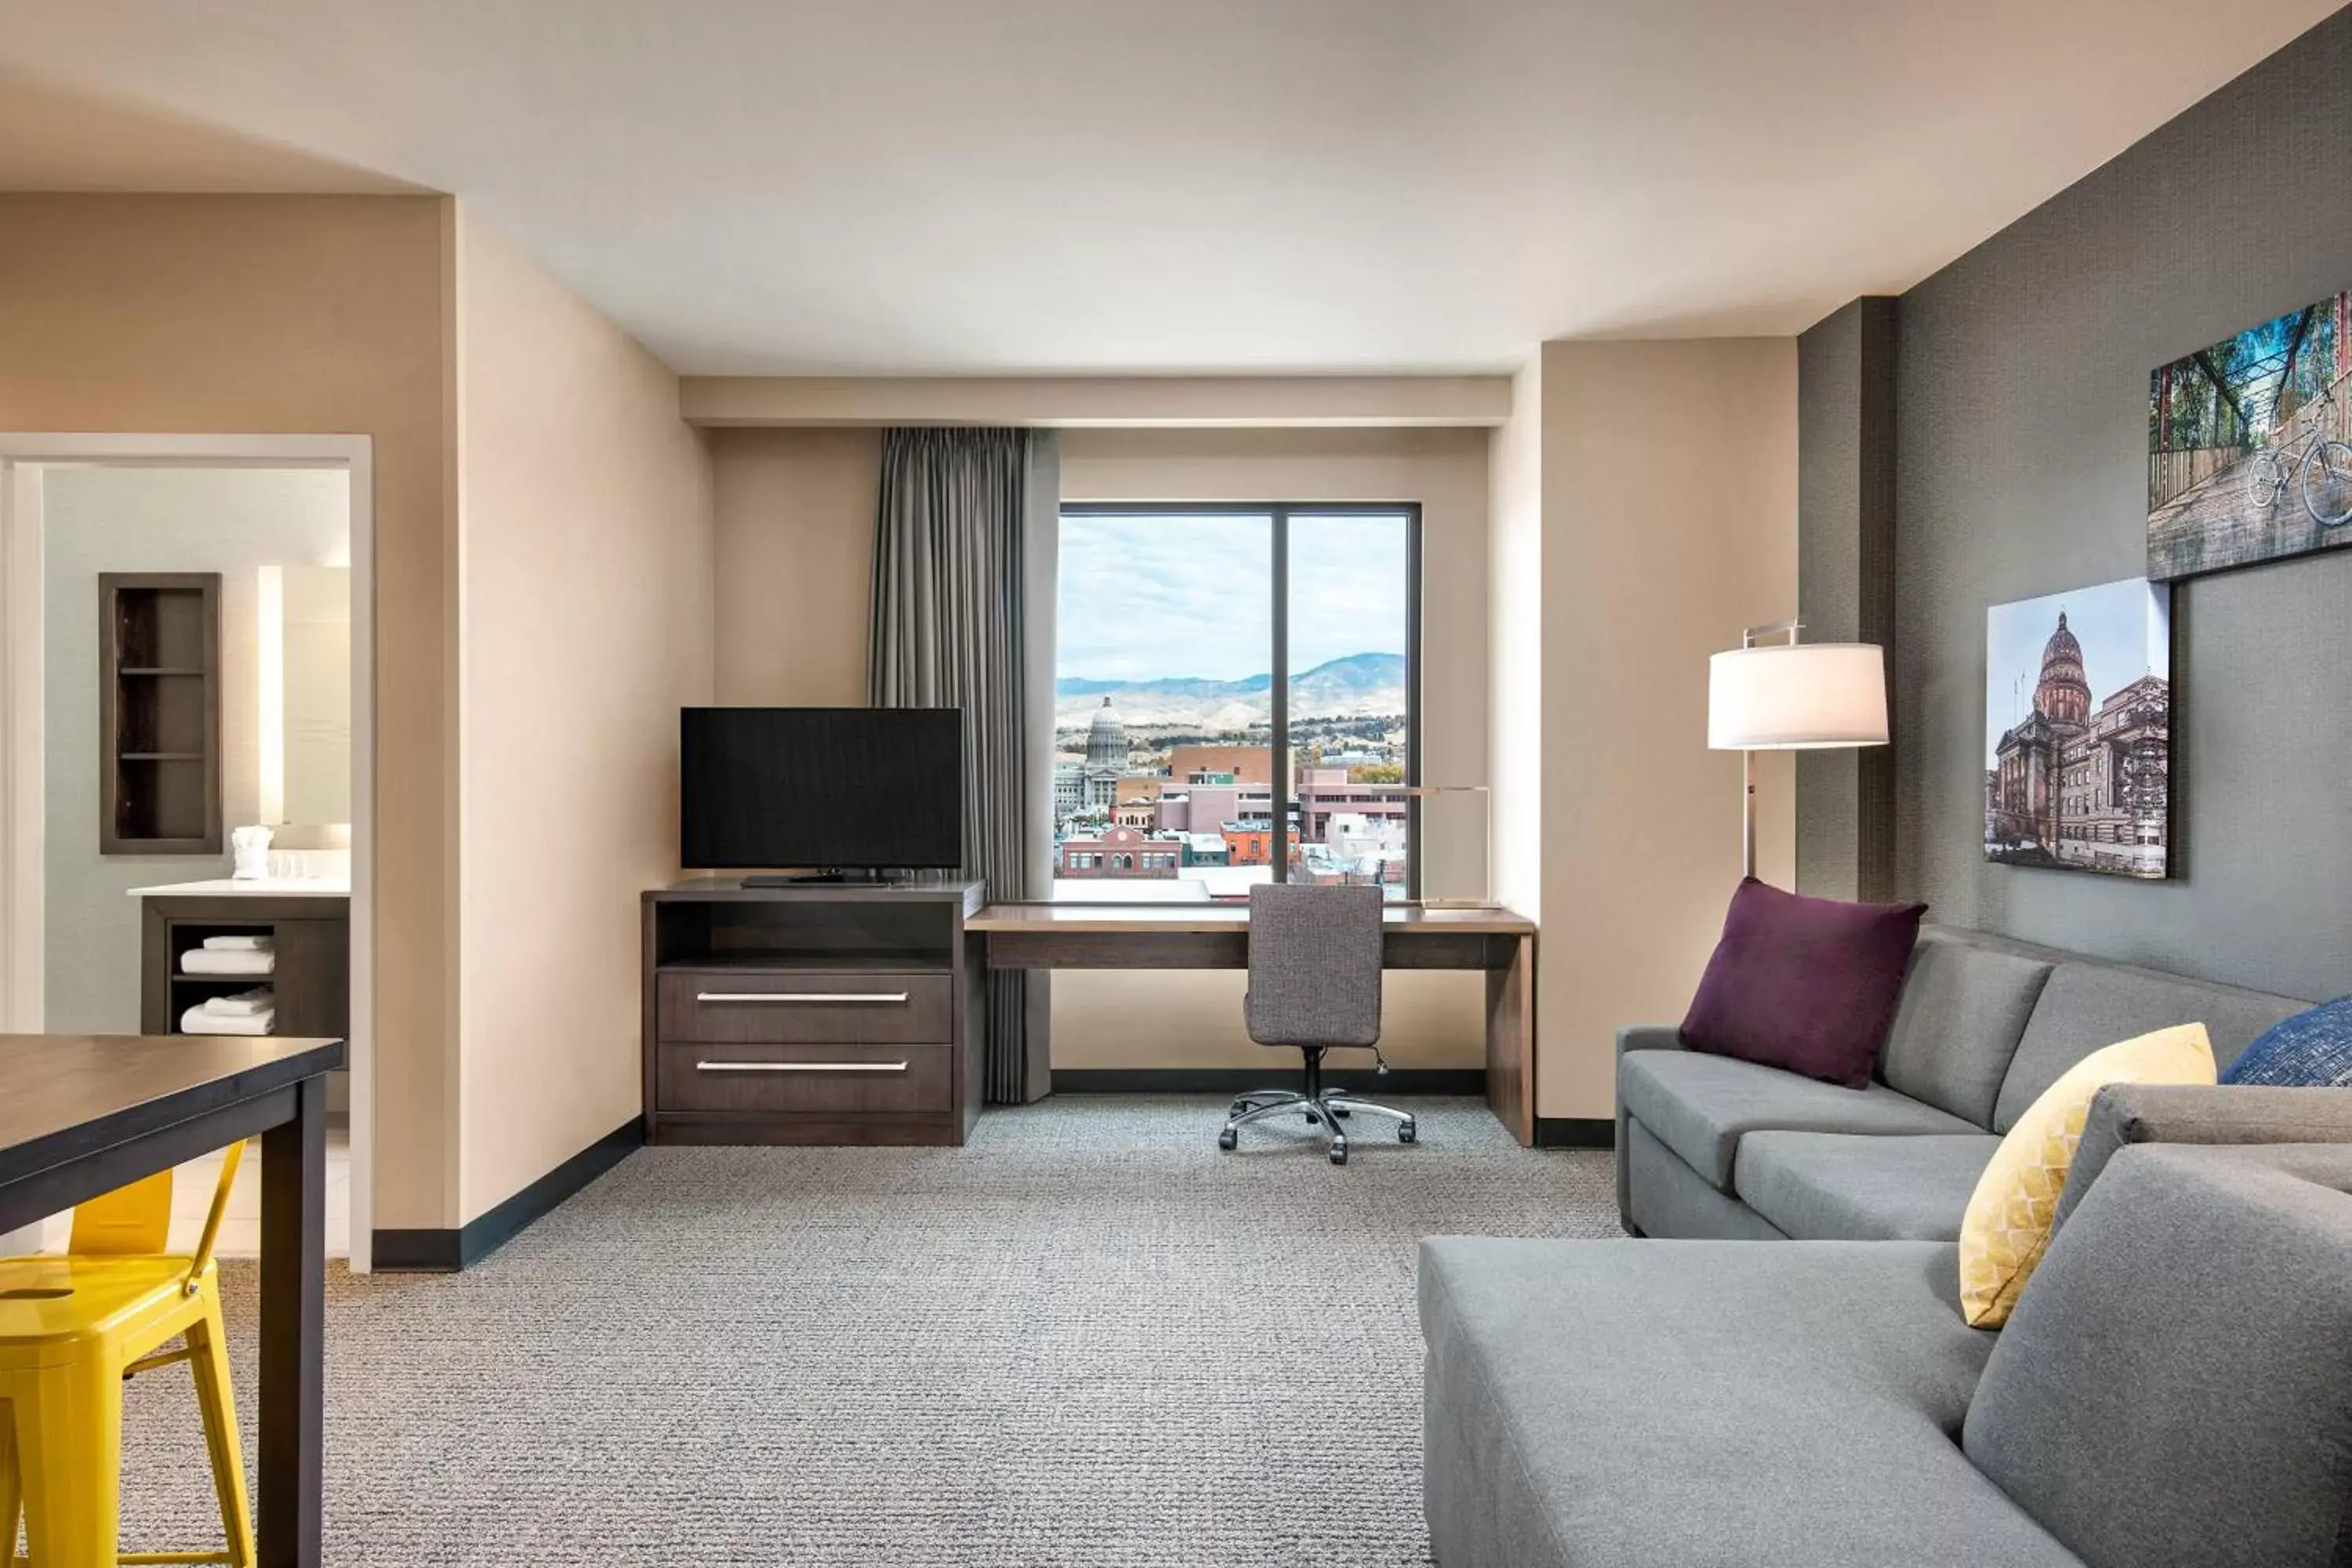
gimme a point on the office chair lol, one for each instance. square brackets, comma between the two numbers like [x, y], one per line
[1315, 984]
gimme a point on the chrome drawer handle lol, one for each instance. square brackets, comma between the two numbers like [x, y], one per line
[800, 1067]
[827, 997]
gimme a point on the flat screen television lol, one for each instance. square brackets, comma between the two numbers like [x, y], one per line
[828, 789]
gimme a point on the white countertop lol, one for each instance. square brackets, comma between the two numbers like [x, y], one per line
[258, 888]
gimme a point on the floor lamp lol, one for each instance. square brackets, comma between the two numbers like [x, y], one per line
[1792, 696]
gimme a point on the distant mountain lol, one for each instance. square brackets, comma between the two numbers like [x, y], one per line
[1359, 684]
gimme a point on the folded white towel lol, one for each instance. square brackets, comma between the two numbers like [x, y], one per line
[244, 1004]
[240, 944]
[226, 960]
[197, 1021]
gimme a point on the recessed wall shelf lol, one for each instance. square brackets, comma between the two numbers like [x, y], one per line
[159, 713]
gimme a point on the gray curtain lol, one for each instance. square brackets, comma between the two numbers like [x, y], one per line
[958, 595]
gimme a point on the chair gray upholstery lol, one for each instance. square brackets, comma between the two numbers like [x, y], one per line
[1835, 1187]
[1314, 964]
[1699, 1105]
[1705, 1405]
[2087, 1005]
[1963, 1010]
[2127, 1113]
[2174, 1385]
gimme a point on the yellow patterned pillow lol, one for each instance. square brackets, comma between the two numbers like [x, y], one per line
[2008, 1223]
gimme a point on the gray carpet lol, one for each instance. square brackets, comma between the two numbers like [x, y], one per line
[1088, 1337]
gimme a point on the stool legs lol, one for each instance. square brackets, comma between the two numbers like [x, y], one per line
[68, 1436]
[11, 1488]
[208, 1360]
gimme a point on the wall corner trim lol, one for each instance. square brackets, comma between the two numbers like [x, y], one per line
[1575, 1132]
[448, 1251]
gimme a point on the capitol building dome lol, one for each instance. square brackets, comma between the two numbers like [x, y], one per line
[1106, 738]
[2064, 694]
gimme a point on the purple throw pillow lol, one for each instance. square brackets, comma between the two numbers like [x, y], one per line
[1808, 984]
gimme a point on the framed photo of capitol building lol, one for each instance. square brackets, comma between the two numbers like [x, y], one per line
[2078, 730]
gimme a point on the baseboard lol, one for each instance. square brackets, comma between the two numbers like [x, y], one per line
[1576, 1132]
[1241, 1081]
[447, 1251]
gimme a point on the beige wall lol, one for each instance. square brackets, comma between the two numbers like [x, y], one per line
[1515, 555]
[280, 315]
[795, 560]
[1103, 1018]
[1669, 487]
[796, 519]
[585, 521]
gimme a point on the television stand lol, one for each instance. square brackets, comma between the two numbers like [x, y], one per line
[827, 880]
[810, 1011]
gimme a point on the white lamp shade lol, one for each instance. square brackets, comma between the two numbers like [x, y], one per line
[1806, 697]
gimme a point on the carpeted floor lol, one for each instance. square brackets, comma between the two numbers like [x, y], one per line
[1088, 1337]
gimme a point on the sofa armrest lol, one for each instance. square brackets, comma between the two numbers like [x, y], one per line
[1648, 1038]
[1635, 1038]
[2125, 1113]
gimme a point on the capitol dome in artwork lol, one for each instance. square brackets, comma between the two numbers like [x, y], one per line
[2063, 693]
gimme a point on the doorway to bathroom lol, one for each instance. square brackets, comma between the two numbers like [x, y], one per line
[186, 800]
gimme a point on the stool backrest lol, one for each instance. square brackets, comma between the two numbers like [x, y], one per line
[136, 1220]
[1314, 964]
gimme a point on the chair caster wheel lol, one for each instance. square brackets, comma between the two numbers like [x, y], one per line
[1228, 1138]
[1339, 1153]
[1407, 1132]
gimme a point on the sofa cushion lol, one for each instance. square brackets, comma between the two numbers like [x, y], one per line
[2235, 1114]
[1704, 1403]
[1698, 1106]
[1809, 985]
[2087, 1005]
[1963, 1010]
[2174, 1386]
[1670, 1199]
[1846, 1186]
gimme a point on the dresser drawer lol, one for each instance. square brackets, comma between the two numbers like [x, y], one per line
[721, 1006]
[813, 1078]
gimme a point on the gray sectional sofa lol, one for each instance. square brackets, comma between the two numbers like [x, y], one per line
[1709, 1146]
[2172, 1389]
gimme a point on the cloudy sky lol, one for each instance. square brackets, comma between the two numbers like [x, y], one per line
[2122, 628]
[1146, 598]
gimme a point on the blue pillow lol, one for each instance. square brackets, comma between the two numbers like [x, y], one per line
[2310, 1050]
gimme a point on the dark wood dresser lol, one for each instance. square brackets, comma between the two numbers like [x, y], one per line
[818, 1013]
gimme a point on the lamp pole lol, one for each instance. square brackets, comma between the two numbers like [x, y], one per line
[1751, 637]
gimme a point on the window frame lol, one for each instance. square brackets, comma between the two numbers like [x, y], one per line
[1279, 513]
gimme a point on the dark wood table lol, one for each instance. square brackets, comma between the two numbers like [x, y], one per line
[1216, 936]
[83, 1114]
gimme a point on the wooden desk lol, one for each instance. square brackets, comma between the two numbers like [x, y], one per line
[1216, 936]
[83, 1114]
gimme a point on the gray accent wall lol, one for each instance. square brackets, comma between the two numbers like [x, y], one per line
[1846, 582]
[2022, 432]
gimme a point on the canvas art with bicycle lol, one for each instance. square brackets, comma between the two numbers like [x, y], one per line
[2249, 445]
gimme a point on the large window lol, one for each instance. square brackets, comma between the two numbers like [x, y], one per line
[1236, 700]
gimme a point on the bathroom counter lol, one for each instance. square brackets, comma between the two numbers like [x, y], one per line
[256, 887]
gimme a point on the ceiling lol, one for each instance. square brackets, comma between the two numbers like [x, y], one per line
[1021, 186]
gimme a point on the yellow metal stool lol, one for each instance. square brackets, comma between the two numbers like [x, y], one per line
[72, 1329]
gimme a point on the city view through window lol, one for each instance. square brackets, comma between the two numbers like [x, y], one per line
[1167, 730]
